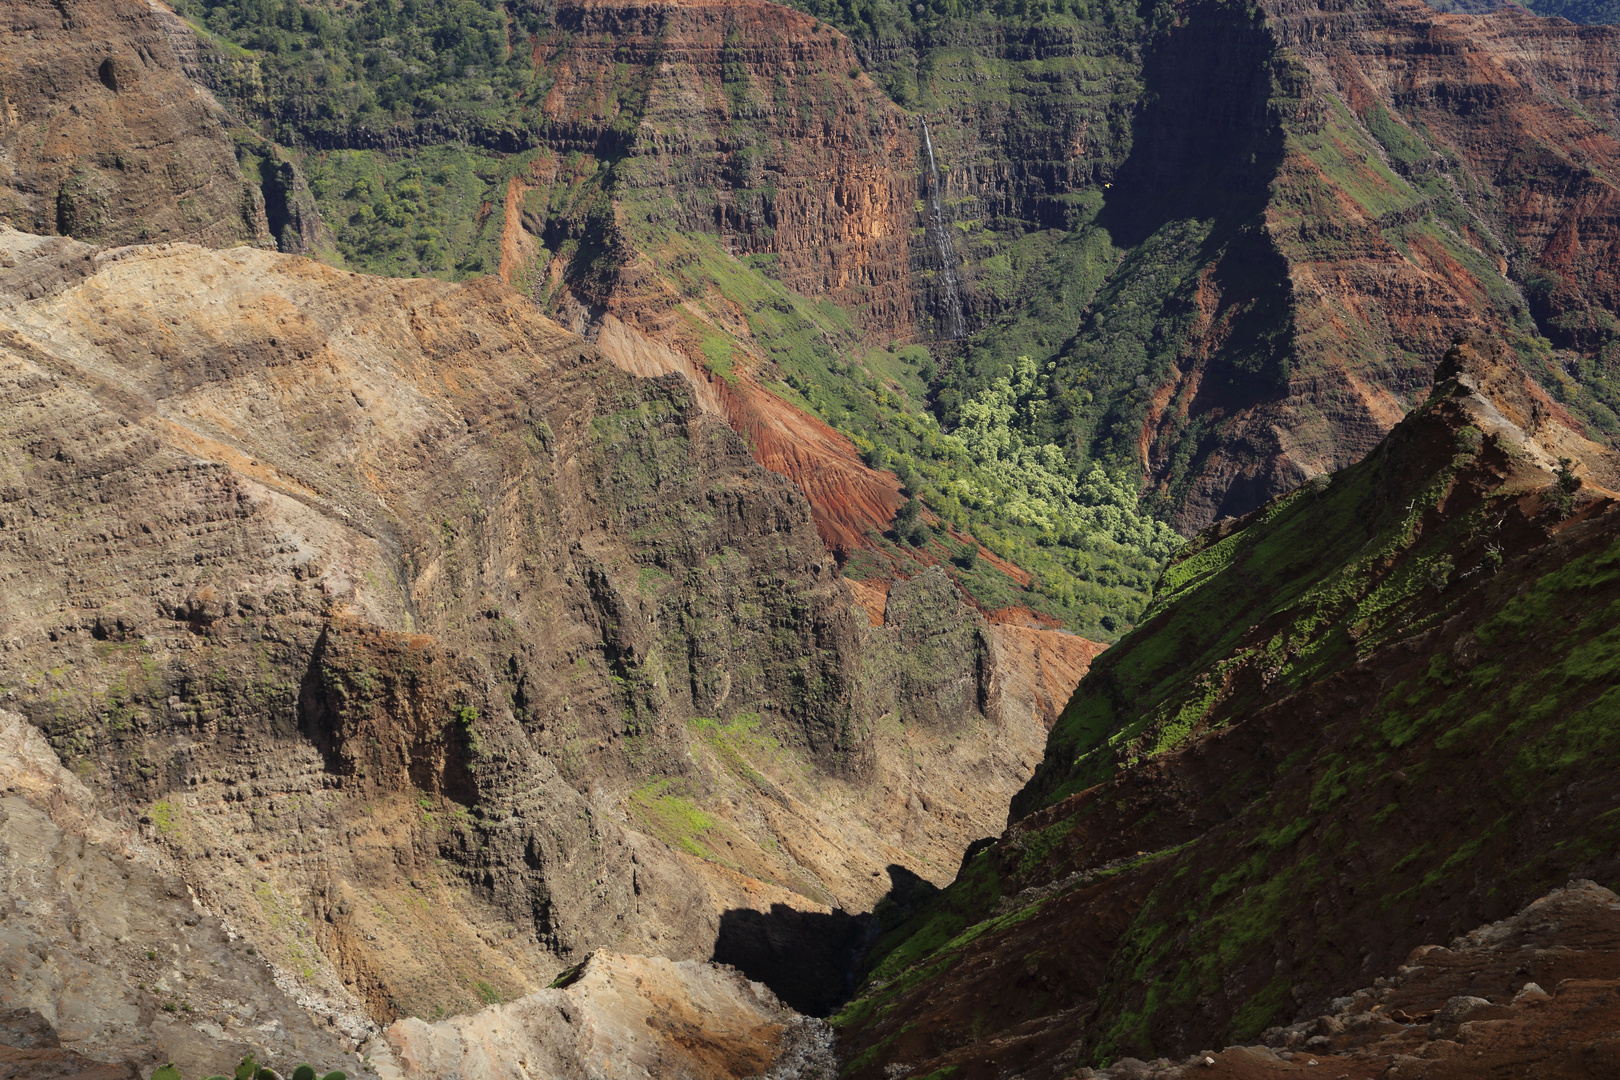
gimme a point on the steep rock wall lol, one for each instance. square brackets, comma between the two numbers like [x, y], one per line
[438, 650]
[1434, 174]
[103, 138]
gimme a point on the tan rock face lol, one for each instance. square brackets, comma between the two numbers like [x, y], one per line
[618, 1016]
[103, 138]
[114, 958]
[436, 649]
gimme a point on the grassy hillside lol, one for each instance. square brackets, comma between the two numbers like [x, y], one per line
[1336, 735]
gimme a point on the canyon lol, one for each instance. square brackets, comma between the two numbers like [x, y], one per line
[1307, 201]
[627, 538]
[434, 650]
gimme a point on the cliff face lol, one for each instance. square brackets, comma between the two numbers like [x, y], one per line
[111, 968]
[435, 650]
[752, 125]
[103, 138]
[1434, 172]
[1334, 740]
[748, 121]
[1526, 108]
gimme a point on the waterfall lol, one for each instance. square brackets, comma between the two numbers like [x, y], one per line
[952, 323]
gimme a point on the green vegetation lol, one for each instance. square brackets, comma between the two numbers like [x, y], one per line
[318, 73]
[162, 815]
[1094, 554]
[1079, 530]
[735, 742]
[930, 37]
[412, 216]
[672, 818]
[1033, 484]
[249, 1069]
[1580, 11]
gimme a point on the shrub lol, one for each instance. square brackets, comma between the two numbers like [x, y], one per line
[1561, 492]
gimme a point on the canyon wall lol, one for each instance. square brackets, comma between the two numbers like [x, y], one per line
[1335, 739]
[1432, 173]
[104, 138]
[749, 121]
[435, 651]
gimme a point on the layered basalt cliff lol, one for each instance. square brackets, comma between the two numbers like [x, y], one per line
[1516, 112]
[1434, 172]
[111, 967]
[1336, 738]
[1437, 174]
[435, 650]
[102, 137]
[748, 121]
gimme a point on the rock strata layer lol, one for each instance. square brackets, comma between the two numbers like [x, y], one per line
[438, 651]
[103, 138]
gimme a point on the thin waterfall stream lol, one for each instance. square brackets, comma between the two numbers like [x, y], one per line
[951, 320]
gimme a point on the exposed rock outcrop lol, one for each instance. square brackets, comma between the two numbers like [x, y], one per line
[750, 123]
[618, 1016]
[816, 169]
[435, 649]
[103, 138]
